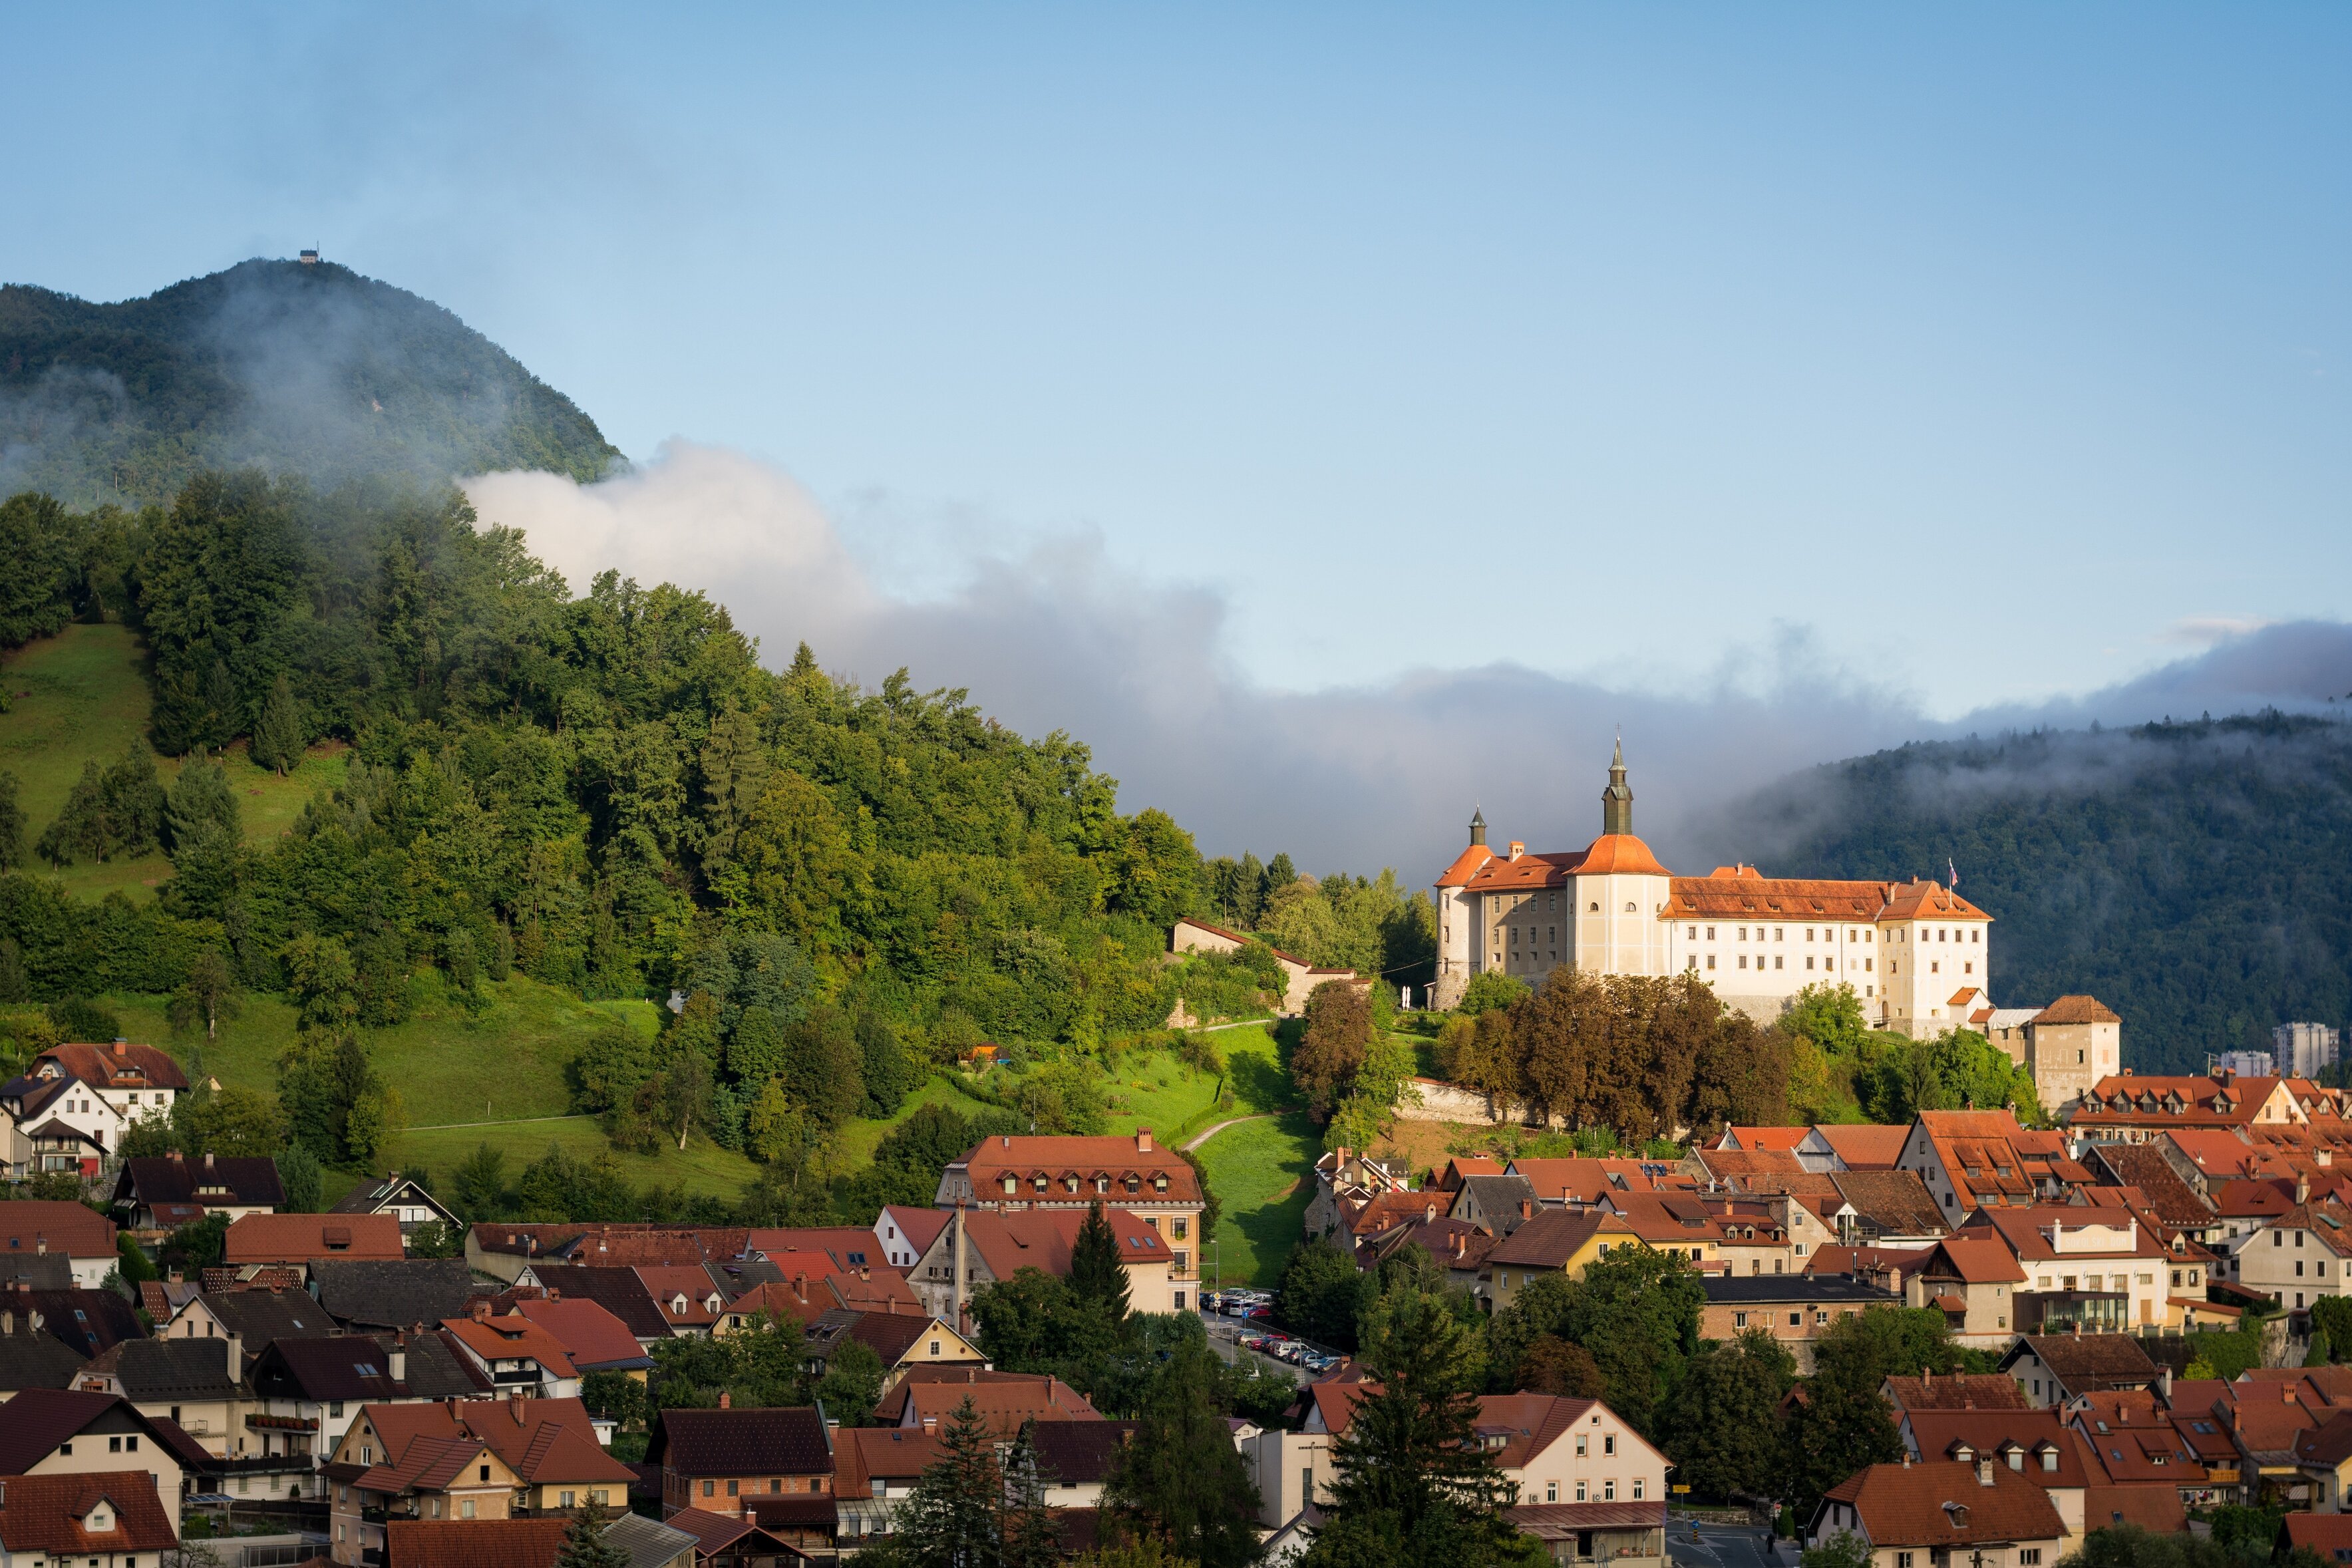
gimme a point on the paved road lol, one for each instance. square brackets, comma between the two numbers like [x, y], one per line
[1717, 1546]
[1223, 1332]
[1196, 1142]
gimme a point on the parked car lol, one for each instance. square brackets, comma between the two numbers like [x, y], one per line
[1260, 1313]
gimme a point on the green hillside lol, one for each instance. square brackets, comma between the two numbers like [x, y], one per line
[2197, 877]
[312, 370]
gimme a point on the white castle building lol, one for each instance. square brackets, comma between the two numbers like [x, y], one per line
[1915, 952]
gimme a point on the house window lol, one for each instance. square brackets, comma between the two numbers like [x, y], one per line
[730, 1489]
[1551, 1491]
[1638, 1484]
[1608, 1442]
[2029, 1557]
[1903, 1560]
[1580, 1491]
[466, 1509]
[935, 1347]
[563, 1499]
[1609, 1490]
[710, 1488]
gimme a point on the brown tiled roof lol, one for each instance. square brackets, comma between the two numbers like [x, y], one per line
[590, 1335]
[118, 1066]
[1940, 1504]
[474, 1542]
[860, 1454]
[1726, 1164]
[299, 1238]
[1957, 1391]
[511, 1338]
[1768, 1137]
[2076, 1008]
[1527, 1424]
[1503, 875]
[2085, 1361]
[241, 1181]
[41, 1418]
[37, 1225]
[609, 1246]
[2143, 1165]
[990, 1160]
[1079, 1453]
[1938, 1433]
[1895, 1201]
[1004, 1406]
[2329, 1535]
[544, 1441]
[786, 1441]
[2154, 1508]
[51, 1513]
[1979, 1260]
[1551, 1238]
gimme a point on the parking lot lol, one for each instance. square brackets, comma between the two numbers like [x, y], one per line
[1228, 1330]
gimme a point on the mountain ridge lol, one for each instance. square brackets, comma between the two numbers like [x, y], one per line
[304, 369]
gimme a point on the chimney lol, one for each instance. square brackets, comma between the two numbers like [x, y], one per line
[481, 1310]
[1518, 849]
[2301, 1188]
[2286, 1393]
[400, 1358]
[40, 1242]
[1429, 1214]
[514, 1404]
[2078, 1328]
[1143, 1139]
[178, 1155]
[1927, 1377]
[235, 1356]
[1984, 1469]
[121, 1049]
[726, 1402]
[1460, 1243]
[2164, 1385]
[1526, 1209]
[208, 1161]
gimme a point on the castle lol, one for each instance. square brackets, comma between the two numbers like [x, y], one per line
[1915, 952]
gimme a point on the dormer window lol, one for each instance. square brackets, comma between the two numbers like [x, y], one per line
[1039, 1181]
[1011, 1184]
[1070, 1182]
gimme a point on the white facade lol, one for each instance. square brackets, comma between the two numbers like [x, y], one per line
[2303, 1049]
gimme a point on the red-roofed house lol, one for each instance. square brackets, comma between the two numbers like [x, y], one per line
[515, 1354]
[112, 1518]
[906, 1231]
[298, 1239]
[1949, 1511]
[980, 1247]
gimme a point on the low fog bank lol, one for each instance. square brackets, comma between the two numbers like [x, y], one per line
[1058, 637]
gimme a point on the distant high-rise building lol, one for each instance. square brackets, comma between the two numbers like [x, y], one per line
[2247, 1064]
[2303, 1049]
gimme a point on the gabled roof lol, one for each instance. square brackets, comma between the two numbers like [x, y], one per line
[359, 1368]
[218, 1181]
[41, 1418]
[1782, 1139]
[474, 1542]
[1079, 1453]
[510, 1338]
[389, 1191]
[840, 1246]
[53, 1514]
[2143, 1165]
[608, 1246]
[617, 1290]
[786, 1441]
[85, 1320]
[544, 1441]
[1896, 1202]
[594, 1339]
[393, 1293]
[1025, 1158]
[648, 1544]
[863, 1454]
[2034, 1235]
[1465, 866]
[1938, 1503]
[1955, 1391]
[161, 1369]
[684, 1294]
[1937, 1433]
[37, 1361]
[1006, 1399]
[2087, 1362]
[918, 1227]
[1527, 1424]
[1043, 1239]
[300, 1238]
[260, 1318]
[1552, 1238]
[52, 1225]
[121, 1065]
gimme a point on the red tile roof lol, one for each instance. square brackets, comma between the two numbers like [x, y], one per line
[474, 1542]
[511, 1338]
[1059, 1159]
[1865, 1146]
[118, 1066]
[299, 1238]
[54, 1514]
[1465, 866]
[2076, 1008]
[1957, 1391]
[1940, 1504]
[52, 1225]
[590, 1334]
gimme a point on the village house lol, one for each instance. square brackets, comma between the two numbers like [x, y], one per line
[1943, 1511]
[137, 1081]
[2054, 1368]
[902, 1341]
[2034, 1444]
[1795, 1309]
[55, 1125]
[52, 1227]
[402, 1198]
[515, 1353]
[191, 1383]
[115, 1520]
[2100, 1269]
[594, 1339]
[1556, 1241]
[74, 1432]
[370, 1294]
[927, 1399]
[982, 1247]
[1985, 1159]
[2300, 1254]
[167, 1192]
[2127, 1108]
[719, 1460]
[1011, 1175]
[295, 1239]
[904, 1233]
[875, 1471]
[310, 1390]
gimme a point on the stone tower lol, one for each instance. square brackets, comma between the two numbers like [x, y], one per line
[1617, 800]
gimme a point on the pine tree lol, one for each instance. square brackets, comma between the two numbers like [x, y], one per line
[954, 1515]
[277, 734]
[1097, 1272]
[584, 1545]
[201, 806]
[1180, 1480]
[1028, 1536]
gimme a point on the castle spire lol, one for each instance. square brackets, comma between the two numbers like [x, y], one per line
[1479, 825]
[1617, 800]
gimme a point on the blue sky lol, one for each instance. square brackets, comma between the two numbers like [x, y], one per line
[1984, 354]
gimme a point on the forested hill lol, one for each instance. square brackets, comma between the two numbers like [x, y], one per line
[2195, 877]
[313, 372]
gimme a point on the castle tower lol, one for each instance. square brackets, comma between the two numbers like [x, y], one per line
[1617, 800]
[1478, 826]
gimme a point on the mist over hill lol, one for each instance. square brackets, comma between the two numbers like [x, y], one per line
[309, 371]
[2196, 876]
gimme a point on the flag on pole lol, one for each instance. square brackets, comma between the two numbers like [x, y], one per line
[1951, 874]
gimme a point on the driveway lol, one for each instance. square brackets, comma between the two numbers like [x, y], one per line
[1717, 1546]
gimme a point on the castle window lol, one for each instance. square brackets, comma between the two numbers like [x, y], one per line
[1710, 933]
[1809, 960]
[1743, 960]
[1630, 907]
[1969, 967]
[1779, 934]
[1809, 933]
[1593, 908]
[1779, 962]
[1743, 934]
[1710, 960]
[1976, 935]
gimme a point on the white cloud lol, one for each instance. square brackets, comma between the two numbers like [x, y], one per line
[1058, 636]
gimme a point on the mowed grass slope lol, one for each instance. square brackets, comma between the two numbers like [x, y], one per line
[81, 696]
[1262, 1171]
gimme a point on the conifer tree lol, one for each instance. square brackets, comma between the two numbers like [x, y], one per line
[953, 1516]
[584, 1545]
[277, 737]
[1097, 1272]
[201, 806]
[1180, 1480]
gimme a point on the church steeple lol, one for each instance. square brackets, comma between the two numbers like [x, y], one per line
[1617, 800]
[1478, 826]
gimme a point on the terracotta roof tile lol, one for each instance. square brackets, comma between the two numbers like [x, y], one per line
[299, 1238]
[1939, 1504]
